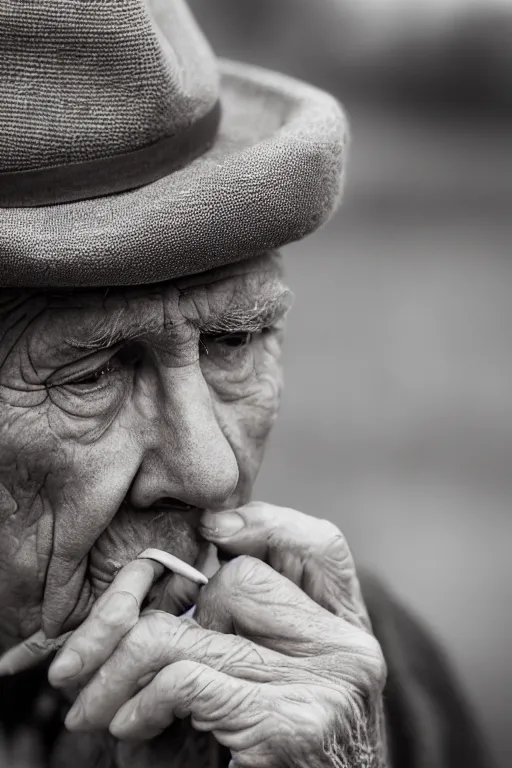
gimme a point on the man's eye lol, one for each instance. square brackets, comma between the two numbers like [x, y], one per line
[234, 340]
[93, 378]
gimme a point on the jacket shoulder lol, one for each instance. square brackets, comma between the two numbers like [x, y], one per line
[428, 719]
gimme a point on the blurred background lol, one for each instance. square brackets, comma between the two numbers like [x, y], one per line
[397, 414]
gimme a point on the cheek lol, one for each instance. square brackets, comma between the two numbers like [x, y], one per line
[38, 459]
[61, 496]
[260, 407]
[248, 420]
[29, 455]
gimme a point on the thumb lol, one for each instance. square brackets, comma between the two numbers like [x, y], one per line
[310, 552]
[237, 532]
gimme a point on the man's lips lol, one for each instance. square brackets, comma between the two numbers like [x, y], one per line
[170, 525]
[175, 505]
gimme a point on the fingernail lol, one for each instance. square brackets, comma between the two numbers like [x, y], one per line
[66, 665]
[222, 524]
[121, 720]
[75, 716]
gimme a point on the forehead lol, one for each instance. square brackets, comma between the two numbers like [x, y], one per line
[190, 296]
[101, 317]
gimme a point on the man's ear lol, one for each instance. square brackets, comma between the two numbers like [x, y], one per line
[8, 505]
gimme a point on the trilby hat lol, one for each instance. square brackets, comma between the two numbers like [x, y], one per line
[129, 154]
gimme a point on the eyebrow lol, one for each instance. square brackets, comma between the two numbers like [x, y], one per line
[262, 313]
[109, 332]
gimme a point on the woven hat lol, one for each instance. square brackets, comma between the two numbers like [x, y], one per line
[129, 154]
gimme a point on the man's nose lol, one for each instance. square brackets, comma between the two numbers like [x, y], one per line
[187, 456]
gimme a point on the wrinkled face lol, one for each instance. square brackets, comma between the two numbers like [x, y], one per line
[123, 415]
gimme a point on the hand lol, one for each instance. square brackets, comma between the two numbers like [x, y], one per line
[280, 676]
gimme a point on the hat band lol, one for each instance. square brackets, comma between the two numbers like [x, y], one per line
[109, 175]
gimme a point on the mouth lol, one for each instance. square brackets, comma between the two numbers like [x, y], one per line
[175, 505]
[171, 525]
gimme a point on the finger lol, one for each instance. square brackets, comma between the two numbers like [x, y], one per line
[30, 652]
[215, 701]
[157, 640]
[249, 598]
[312, 553]
[111, 617]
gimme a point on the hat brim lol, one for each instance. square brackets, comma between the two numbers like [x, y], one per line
[273, 175]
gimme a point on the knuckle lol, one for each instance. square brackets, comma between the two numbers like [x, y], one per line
[232, 575]
[183, 670]
[359, 664]
[185, 632]
[332, 539]
[144, 633]
[329, 530]
[373, 665]
[165, 682]
[314, 725]
[102, 677]
[182, 676]
[155, 623]
[380, 673]
[239, 656]
[244, 569]
[309, 720]
[120, 610]
[249, 578]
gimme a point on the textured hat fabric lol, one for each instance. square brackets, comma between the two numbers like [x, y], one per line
[272, 173]
[82, 79]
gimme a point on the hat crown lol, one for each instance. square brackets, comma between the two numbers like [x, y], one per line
[82, 80]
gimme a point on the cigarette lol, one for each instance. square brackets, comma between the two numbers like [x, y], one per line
[174, 564]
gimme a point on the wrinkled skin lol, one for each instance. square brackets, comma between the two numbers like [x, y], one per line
[112, 402]
[279, 664]
[135, 418]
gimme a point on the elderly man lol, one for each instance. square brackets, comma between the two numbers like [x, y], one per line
[144, 189]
